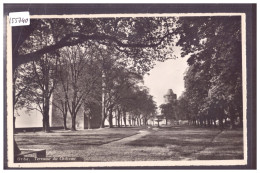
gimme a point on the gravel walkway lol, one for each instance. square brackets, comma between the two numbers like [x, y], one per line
[128, 139]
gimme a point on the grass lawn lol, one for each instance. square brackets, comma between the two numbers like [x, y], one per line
[138, 143]
[193, 143]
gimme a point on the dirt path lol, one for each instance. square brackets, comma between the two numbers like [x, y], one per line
[128, 139]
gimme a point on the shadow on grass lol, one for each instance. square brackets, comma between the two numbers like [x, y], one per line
[68, 139]
[192, 143]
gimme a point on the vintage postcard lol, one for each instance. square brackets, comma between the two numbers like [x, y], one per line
[126, 90]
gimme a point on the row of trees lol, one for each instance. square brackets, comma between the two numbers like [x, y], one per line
[102, 69]
[78, 80]
[95, 60]
[213, 80]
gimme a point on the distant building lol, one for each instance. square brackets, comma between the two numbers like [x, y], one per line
[170, 97]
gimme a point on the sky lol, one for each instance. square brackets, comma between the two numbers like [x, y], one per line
[166, 75]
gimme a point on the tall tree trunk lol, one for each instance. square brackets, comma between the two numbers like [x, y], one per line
[65, 113]
[124, 118]
[118, 118]
[208, 122]
[65, 121]
[46, 108]
[121, 120]
[87, 117]
[103, 117]
[73, 117]
[221, 122]
[47, 124]
[43, 123]
[73, 122]
[110, 118]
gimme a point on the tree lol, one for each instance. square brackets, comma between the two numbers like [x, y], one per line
[21, 86]
[118, 74]
[139, 104]
[214, 47]
[79, 82]
[147, 108]
[41, 79]
[168, 111]
[183, 107]
[41, 74]
[119, 82]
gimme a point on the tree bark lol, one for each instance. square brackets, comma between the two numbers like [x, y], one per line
[73, 122]
[121, 120]
[208, 122]
[46, 108]
[124, 118]
[65, 121]
[103, 101]
[118, 118]
[102, 122]
[110, 118]
[65, 113]
[221, 122]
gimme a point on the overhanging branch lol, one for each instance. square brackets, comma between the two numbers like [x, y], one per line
[81, 38]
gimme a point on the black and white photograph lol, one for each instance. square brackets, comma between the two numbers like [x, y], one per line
[127, 90]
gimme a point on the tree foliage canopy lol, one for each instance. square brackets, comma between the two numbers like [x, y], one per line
[137, 37]
[213, 45]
